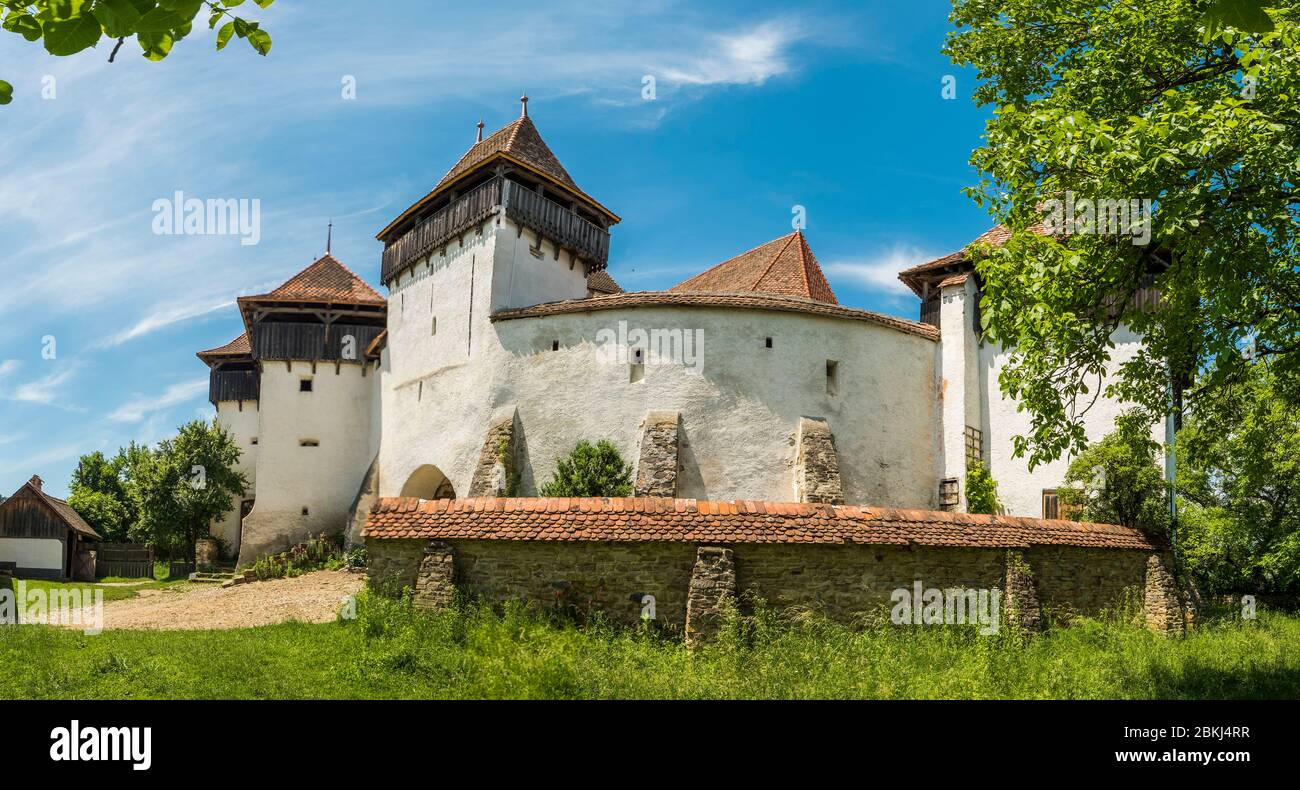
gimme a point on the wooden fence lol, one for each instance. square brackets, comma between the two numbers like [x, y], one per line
[130, 560]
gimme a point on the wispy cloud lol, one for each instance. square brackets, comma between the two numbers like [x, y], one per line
[45, 390]
[142, 406]
[165, 315]
[879, 272]
[747, 57]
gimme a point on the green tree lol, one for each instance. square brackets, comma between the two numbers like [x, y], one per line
[1118, 480]
[1240, 517]
[591, 470]
[66, 27]
[99, 494]
[981, 490]
[1166, 100]
[184, 484]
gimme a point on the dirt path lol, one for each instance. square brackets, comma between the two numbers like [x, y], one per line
[313, 598]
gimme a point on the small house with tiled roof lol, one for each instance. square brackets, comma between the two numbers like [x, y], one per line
[503, 341]
[42, 537]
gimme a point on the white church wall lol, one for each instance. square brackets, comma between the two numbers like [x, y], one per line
[242, 421]
[292, 474]
[739, 411]
[1020, 489]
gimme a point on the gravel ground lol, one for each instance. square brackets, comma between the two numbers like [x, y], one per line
[312, 598]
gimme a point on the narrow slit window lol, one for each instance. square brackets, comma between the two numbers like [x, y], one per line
[832, 377]
[433, 329]
[555, 345]
[309, 443]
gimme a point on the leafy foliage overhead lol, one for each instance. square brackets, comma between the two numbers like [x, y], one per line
[66, 27]
[1171, 101]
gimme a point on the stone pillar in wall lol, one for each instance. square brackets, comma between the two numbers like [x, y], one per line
[816, 465]
[656, 469]
[435, 582]
[1162, 600]
[1020, 595]
[496, 471]
[713, 584]
[361, 504]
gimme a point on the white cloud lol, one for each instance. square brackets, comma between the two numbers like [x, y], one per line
[748, 57]
[166, 315]
[142, 406]
[45, 390]
[7, 367]
[879, 272]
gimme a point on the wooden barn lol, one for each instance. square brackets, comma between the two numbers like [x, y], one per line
[42, 537]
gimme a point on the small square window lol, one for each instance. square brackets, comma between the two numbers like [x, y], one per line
[305, 511]
[304, 385]
[769, 342]
[253, 440]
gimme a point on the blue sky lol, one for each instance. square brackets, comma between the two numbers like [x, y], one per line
[834, 106]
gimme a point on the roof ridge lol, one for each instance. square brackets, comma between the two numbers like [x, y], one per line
[775, 258]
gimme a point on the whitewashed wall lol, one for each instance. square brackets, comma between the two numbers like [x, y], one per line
[739, 412]
[242, 422]
[35, 553]
[337, 413]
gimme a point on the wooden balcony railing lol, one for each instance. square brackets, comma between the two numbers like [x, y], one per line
[303, 341]
[557, 223]
[227, 385]
[526, 207]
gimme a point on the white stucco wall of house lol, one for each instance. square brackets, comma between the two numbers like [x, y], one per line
[241, 420]
[324, 479]
[35, 553]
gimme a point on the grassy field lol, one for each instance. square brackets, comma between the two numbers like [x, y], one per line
[390, 652]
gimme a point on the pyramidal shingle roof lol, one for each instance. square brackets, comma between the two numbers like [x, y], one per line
[784, 266]
[519, 139]
[325, 280]
[521, 143]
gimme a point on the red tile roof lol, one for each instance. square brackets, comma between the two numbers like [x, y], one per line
[326, 280]
[995, 236]
[784, 266]
[749, 301]
[518, 142]
[642, 519]
[239, 347]
[601, 282]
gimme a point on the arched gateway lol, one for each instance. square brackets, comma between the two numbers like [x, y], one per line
[428, 482]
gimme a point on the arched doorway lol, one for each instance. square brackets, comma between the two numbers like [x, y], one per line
[428, 482]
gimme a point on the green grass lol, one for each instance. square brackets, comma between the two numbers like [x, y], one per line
[390, 652]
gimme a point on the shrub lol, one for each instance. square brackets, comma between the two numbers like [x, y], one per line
[591, 470]
[981, 490]
[1117, 480]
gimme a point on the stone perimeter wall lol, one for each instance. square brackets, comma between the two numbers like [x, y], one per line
[848, 583]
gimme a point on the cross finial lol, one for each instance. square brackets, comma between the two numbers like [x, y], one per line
[523, 102]
[329, 237]
[480, 131]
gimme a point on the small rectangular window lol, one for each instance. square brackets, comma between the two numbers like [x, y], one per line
[949, 493]
[1051, 505]
[434, 329]
[832, 377]
[555, 345]
[769, 342]
[304, 385]
[309, 443]
[305, 511]
[253, 440]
